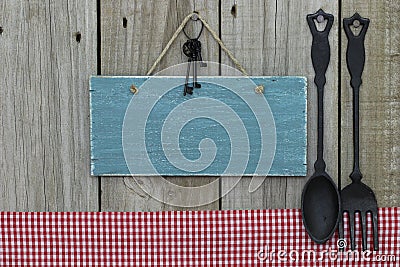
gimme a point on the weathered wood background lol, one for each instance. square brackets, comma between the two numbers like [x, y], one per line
[48, 50]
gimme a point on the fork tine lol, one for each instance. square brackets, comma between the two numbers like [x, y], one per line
[352, 226]
[363, 218]
[374, 215]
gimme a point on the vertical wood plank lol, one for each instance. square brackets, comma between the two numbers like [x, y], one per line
[44, 105]
[131, 50]
[273, 38]
[379, 101]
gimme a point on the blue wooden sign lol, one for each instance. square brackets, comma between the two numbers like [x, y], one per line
[224, 128]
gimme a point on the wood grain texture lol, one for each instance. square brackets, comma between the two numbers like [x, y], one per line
[273, 38]
[132, 51]
[44, 105]
[379, 101]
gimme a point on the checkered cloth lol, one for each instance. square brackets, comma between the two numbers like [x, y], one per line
[182, 238]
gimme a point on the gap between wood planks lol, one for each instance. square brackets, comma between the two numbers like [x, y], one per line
[98, 18]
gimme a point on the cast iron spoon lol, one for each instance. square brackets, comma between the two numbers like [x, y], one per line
[320, 202]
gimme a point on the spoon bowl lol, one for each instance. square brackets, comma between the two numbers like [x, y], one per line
[320, 207]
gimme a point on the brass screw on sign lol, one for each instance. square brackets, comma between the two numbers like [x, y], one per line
[259, 89]
[134, 89]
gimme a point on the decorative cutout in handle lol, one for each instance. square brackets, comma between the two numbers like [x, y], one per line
[320, 49]
[355, 49]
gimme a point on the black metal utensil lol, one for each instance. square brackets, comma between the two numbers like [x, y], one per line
[357, 197]
[320, 201]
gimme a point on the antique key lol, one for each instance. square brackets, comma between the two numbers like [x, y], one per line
[192, 49]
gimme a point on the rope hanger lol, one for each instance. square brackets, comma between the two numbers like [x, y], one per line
[196, 16]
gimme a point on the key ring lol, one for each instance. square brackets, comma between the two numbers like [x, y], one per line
[194, 18]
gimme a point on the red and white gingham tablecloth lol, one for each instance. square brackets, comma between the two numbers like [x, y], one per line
[183, 238]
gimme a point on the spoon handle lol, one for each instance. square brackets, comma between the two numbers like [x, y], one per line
[320, 56]
[355, 57]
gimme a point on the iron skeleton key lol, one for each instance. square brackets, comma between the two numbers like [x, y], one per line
[192, 49]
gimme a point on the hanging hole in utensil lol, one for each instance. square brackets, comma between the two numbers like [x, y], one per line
[356, 27]
[320, 23]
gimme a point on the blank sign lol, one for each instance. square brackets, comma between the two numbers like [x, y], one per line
[224, 129]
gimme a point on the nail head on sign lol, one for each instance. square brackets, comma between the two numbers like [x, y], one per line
[195, 16]
[320, 18]
[356, 23]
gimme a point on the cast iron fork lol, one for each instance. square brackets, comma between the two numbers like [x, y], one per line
[357, 197]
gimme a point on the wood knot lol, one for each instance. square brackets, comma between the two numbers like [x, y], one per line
[124, 22]
[78, 37]
[234, 11]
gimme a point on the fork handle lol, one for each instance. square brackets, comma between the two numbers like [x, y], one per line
[355, 57]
